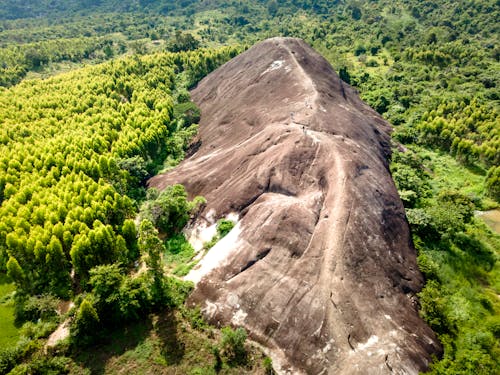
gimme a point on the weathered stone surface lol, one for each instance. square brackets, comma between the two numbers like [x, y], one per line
[320, 267]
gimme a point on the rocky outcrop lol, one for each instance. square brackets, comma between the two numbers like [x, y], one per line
[320, 267]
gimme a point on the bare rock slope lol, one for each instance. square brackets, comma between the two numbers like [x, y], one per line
[320, 268]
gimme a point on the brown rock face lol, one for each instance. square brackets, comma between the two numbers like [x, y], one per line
[320, 267]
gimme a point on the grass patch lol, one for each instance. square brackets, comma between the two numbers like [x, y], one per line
[183, 269]
[178, 255]
[168, 343]
[448, 174]
[9, 332]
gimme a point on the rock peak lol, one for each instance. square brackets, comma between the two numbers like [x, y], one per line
[319, 268]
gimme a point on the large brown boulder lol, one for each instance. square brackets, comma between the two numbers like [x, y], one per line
[320, 268]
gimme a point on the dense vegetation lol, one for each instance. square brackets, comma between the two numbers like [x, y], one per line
[458, 255]
[76, 151]
[76, 148]
[73, 148]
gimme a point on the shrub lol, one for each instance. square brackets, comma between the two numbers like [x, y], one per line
[183, 42]
[195, 318]
[183, 96]
[86, 323]
[38, 330]
[8, 359]
[188, 113]
[43, 365]
[233, 345]
[169, 210]
[178, 249]
[177, 290]
[434, 308]
[493, 182]
[33, 308]
[451, 212]
[224, 226]
[359, 50]
[267, 363]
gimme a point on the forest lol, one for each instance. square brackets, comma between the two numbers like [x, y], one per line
[94, 100]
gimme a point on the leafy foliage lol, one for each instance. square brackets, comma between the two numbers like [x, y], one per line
[224, 226]
[459, 258]
[183, 42]
[86, 323]
[233, 344]
[170, 210]
[72, 147]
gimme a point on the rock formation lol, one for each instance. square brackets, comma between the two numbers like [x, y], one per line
[320, 268]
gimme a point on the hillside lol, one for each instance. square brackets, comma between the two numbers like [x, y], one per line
[92, 106]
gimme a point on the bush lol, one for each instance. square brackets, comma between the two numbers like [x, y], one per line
[359, 50]
[36, 308]
[136, 166]
[43, 365]
[195, 318]
[372, 63]
[188, 113]
[493, 182]
[267, 363]
[224, 226]
[434, 310]
[178, 249]
[451, 212]
[105, 281]
[86, 323]
[177, 290]
[170, 210]
[37, 330]
[183, 269]
[8, 359]
[233, 345]
[183, 42]
[183, 96]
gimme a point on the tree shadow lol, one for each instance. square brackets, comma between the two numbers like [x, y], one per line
[475, 168]
[172, 349]
[113, 343]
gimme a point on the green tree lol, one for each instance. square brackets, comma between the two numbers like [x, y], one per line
[129, 233]
[57, 268]
[151, 248]
[105, 281]
[86, 324]
[233, 345]
[224, 226]
[172, 209]
[493, 182]
[15, 272]
[183, 42]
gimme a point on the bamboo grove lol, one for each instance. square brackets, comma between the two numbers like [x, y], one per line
[73, 148]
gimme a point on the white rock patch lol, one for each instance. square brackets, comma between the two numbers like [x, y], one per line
[201, 234]
[370, 342]
[59, 334]
[217, 255]
[239, 317]
[277, 64]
